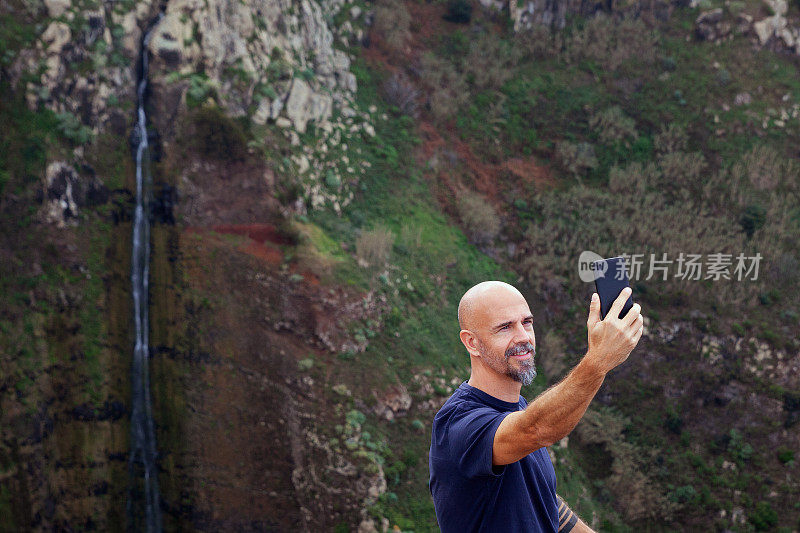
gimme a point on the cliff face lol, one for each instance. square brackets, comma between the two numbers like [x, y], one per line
[308, 253]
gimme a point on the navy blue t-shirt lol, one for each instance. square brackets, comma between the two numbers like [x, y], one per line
[469, 494]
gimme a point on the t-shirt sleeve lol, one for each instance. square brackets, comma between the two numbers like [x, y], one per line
[471, 438]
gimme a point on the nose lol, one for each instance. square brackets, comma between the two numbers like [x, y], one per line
[521, 334]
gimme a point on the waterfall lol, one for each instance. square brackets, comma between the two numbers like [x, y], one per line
[143, 505]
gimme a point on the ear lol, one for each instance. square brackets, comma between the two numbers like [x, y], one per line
[470, 341]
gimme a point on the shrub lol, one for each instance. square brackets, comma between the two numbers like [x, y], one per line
[576, 158]
[588, 218]
[753, 219]
[479, 218]
[459, 11]
[637, 496]
[740, 449]
[490, 61]
[538, 42]
[449, 91]
[374, 246]
[672, 138]
[633, 179]
[764, 516]
[72, 129]
[723, 77]
[612, 43]
[681, 173]
[391, 23]
[684, 494]
[400, 92]
[199, 90]
[764, 167]
[355, 418]
[785, 455]
[612, 126]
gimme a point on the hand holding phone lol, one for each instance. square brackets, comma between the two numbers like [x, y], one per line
[614, 336]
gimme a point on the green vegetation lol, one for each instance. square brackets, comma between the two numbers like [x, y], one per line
[612, 135]
[591, 98]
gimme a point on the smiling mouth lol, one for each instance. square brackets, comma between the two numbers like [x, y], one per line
[524, 355]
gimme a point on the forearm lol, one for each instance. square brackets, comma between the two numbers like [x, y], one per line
[551, 416]
[568, 521]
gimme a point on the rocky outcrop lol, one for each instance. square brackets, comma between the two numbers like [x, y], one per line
[526, 14]
[64, 191]
[777, 27]
[394, 402]
[775, 31]
[273, 61]
[83, 62]
[709, 26]
[265, 58]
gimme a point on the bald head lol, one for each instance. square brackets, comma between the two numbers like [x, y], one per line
[480, 299]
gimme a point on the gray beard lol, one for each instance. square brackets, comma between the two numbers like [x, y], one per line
[526, 374]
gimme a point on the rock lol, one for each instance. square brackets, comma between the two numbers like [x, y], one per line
[367, 526]
[394, 402]
[709, 26]
[174, 44]
[526, 14]
[55, 36]
[778, 7]
[56, 8]
[764, 29]
[303, 105]
[297, 104]
[788, 38]
[132, 35]
[709, 17]
[263, 112]
[59, 191]
[275, 108]
[742, 99]
[302, 163]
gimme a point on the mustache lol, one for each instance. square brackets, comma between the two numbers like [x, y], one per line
[521, 348]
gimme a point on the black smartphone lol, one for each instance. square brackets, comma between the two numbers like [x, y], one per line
[610, 277]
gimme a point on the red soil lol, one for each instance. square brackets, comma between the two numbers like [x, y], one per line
[262, 239]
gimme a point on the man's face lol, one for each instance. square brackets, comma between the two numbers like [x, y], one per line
[507, 342]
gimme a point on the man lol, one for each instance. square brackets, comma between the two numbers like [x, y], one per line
[489, 467]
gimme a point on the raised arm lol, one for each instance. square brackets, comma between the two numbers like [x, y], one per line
[555, 412]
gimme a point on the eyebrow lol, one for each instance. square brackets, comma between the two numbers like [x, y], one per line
[497, 327]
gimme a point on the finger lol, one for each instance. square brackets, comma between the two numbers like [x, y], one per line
[594, 311]
[616, 307]
[633, 314]
[638, 334]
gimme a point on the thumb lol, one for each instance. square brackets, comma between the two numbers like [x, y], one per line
[594, 312]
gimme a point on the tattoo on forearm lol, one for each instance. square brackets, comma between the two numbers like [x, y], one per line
[566, 518]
